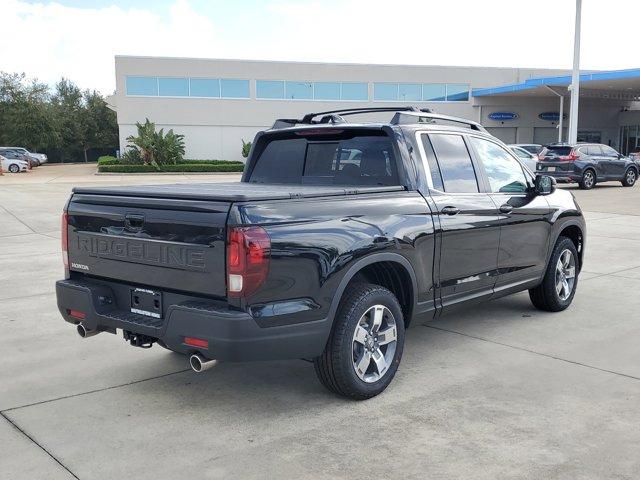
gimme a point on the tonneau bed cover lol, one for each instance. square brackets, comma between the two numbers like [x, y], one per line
[233, 192]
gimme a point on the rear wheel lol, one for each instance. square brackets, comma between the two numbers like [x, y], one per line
[630, 178]
[558, 287]
[588, 180]
[365, 346]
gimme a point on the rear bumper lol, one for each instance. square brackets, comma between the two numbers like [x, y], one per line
[232, 335]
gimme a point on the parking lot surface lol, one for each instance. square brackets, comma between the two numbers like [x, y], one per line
[499, 391]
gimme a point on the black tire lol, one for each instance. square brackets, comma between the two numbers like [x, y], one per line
[14, 168]
[545, 296]
[588, 180]
[335, 367]
[630, 177]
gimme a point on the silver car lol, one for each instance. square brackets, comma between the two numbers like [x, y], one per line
[526, 157]
[41, 157]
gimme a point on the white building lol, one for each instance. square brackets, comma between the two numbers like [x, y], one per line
[218, 103]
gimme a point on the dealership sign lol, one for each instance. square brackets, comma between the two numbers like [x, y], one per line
[551, 116]
[502, 116]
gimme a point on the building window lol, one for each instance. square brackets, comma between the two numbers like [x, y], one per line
[354, 91]
[234, 88]
[269, 89]
[434, 92]
[205, 87]
[410, 92]
[142, 86]
[385, 91]
[457, 92]
[326, 91]
[173, 87]
[299, 90]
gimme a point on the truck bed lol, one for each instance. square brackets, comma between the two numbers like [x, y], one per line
[232, 191]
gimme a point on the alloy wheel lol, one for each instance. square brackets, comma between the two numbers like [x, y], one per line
[588, 179]
[631, 176]
[374, 343]
[565, 274]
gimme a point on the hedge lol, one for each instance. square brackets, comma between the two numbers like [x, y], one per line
[210, 162]
[171, 168]
[108, 160]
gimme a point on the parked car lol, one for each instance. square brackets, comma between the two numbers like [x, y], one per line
[41, 157]
[529, 147]
[13, 154]
[587, 164]
[525, 156]
[13, 165]
[311, 258]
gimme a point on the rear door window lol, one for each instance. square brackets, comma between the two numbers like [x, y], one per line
[454, 161]
[593, 150]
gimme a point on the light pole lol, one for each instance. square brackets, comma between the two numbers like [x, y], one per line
[575, 79]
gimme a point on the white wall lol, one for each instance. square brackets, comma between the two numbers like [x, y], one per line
[214, 128]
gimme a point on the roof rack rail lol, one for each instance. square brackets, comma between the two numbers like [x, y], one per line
[409, 117]
[335, 116]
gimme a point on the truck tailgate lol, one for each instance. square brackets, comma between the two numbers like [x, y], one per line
[165, 243]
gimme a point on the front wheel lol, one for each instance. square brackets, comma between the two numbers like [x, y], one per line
[365, 346]
[558, 287]
[630, 178]
[588, 180]
[13, 168]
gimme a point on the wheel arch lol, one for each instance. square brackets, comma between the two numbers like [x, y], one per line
[574, 232]
[390, 270]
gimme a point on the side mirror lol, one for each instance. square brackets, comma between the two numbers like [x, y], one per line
[545, 185]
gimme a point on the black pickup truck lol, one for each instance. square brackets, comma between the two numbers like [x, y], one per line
[339, 236]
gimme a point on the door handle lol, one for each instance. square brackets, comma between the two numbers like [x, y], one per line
[450, 210]
[506, 208]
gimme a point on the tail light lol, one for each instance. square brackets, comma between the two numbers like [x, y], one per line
[65, 243]
[573, 155]
[248, 252]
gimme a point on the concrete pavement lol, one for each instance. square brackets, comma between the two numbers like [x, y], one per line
[502, 391]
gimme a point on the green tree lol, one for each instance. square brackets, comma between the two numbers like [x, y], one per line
[98, 125]
[26, 118]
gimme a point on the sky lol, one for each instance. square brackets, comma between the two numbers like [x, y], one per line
[78, 39]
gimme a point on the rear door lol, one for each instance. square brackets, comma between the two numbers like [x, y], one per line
[596, 159]
[467, 217]
[524, 222]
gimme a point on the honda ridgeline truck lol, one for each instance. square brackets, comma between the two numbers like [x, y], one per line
[338, 237]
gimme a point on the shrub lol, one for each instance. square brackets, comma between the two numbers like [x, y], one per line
[131, 156]
[108, 160]
[156, 148]
[179, 168]
[246, 148]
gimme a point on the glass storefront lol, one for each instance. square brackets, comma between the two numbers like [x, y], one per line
[629, 139]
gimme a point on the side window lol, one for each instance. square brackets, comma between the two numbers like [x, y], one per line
[608, 151]
[456, 168]
[593, 150]
[504, 172]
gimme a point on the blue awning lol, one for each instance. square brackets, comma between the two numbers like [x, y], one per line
[609, 81]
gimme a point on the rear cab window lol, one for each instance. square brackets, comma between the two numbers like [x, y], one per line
[326, 157]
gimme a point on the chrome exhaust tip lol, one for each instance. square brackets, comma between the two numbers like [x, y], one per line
[84, 332]
[199, 364]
